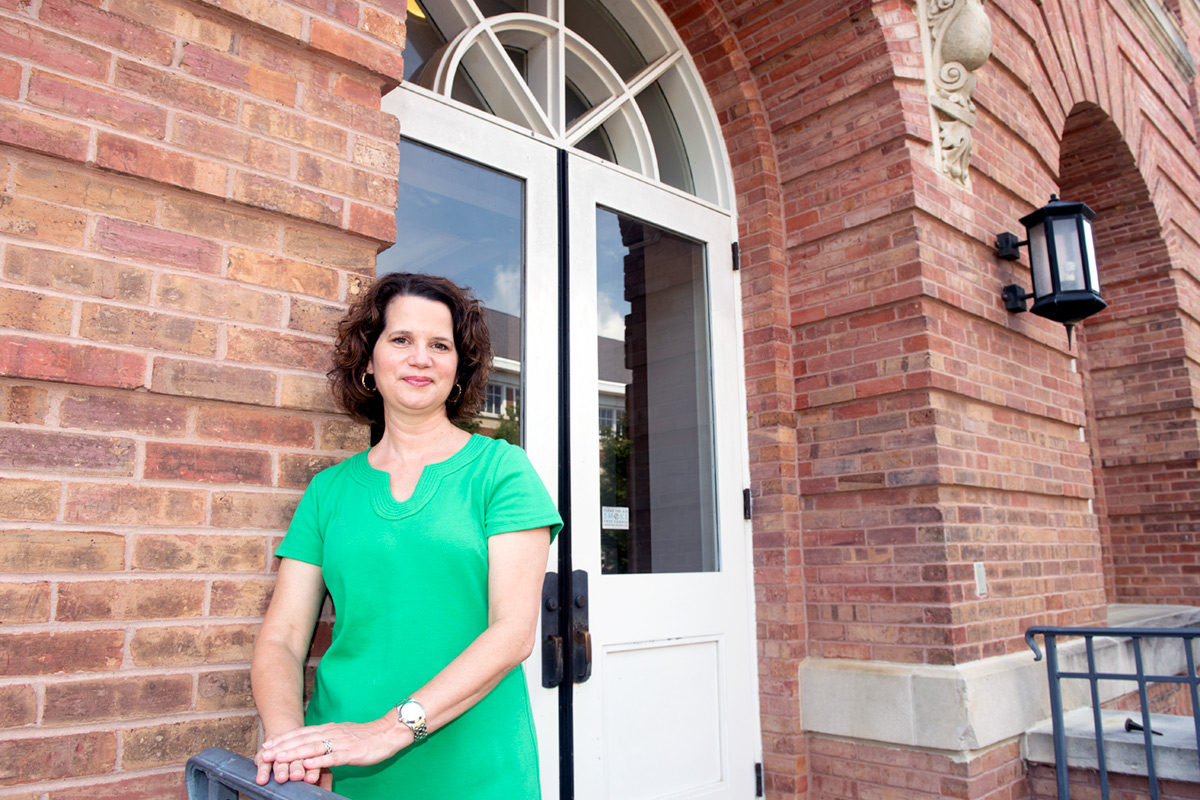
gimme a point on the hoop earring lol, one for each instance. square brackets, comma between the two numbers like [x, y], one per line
[457, 397]
[363, 380]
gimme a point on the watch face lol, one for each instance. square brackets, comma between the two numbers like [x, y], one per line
[412, 713]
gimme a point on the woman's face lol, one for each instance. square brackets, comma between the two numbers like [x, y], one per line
[414, 361]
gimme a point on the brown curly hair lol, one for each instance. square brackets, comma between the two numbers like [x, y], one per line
[364, 322]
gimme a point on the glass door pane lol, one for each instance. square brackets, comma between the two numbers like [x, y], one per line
[656, 433]
[463, 221]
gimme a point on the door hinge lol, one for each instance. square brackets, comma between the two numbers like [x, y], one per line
[737, 258]
[758, 780]
[747, 505]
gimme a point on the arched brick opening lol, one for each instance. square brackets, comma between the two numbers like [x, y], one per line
[1142, 416]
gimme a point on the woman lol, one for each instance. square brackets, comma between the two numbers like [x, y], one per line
[432, 545]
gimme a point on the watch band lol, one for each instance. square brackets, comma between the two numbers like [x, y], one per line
[412, 714]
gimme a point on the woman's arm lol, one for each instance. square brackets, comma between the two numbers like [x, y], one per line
[277, 666]
[516, 565]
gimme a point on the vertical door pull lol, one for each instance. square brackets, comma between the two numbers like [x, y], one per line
[552, 643]
[581, 637]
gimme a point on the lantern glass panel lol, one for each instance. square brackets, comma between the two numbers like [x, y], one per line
[1069, 254]
[1039, 259]
[1090, 248]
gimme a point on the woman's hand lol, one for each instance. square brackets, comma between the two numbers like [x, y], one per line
[304, 753]
[288, 771]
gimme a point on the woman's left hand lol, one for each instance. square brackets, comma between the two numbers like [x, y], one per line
[337, 744]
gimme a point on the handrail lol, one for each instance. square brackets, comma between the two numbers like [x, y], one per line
[1055, 675]
[218, 774]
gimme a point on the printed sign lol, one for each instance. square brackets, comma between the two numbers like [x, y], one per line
[614, 518]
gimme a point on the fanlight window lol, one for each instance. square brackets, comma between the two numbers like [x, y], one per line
[609, 78]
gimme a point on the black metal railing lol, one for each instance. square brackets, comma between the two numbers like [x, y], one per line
[218, 774]
[1140, 676]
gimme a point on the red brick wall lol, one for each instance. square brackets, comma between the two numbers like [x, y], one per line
[1043, 785]
[191, 194]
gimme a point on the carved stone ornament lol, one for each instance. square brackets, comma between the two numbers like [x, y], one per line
[958, 41]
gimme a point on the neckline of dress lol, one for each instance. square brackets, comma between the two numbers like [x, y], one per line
[378, 481]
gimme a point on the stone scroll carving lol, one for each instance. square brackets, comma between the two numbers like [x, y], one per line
[957, 41]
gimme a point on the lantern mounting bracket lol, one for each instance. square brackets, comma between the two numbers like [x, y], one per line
[1008, 247]
[1014, 297]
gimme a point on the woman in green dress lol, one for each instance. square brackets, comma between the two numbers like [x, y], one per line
[432, 545]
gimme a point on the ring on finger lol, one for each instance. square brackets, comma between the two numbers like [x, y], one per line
[328, 746]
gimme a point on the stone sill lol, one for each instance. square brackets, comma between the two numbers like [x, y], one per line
[1175, 752]
[971, 706]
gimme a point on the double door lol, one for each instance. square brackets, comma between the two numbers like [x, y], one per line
[612, 303]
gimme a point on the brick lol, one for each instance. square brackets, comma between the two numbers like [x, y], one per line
[217, 220]
[310, 317]
[372, 223]
[384, 26]
[293, 128]
[18, 706]
[80, 100]
[361, 92]
[174, 743]
[176, 20]
[129, 326]
[227, 301]
[53, 51]
[10, 79]
[158, 245]
[240, 598]
[98, 600]
[278, 272]
[224, 690]
[39, 552]
[253, 510]
[161, 786]
[203, 464]
[358, 50]
[229, 425]
[50, 653]
[199, 553]
[335, 176]
[212, 381]
[29, 311]
[28, 449]
[33, 219]
[54, 758]
[242, 75]
[229, 143]
[108, 29]
[155, 163]
[375, 155]
[23, 404]
[345, 435]
[360, 117]
[24, 603]
[297, 469]
[134, 505]
[69, 363]
[307, 394]
[333, 250]
[258, 346]
[80, 189]
[77, 702]
[73, 273]
[286, 198]
[176, 90]
[272, 16]
[133, 412]
[186, 646]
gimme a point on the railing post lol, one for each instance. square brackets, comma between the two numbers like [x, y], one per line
[218, 774]
[1056, 712]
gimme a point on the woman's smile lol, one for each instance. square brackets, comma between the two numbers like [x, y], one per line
[414, 362]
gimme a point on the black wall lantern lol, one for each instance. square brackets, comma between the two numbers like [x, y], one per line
[1062, 255]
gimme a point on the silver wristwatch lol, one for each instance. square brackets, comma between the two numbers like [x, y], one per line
[412, 714]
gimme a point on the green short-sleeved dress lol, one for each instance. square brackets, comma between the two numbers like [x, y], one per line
[409, 586]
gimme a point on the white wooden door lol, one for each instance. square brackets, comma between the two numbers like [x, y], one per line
[670, 708]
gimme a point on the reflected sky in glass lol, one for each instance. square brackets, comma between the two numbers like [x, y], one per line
[460, 220]
[611, 305]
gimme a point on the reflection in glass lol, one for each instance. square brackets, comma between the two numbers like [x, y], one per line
[1070, 259]
[669, 149]
[421, 40]
[658, 508]
[594, 22]
[458, 219]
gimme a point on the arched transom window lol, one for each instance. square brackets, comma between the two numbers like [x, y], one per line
[608, 77]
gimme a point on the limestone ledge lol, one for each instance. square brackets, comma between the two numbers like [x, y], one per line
[971, 706]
